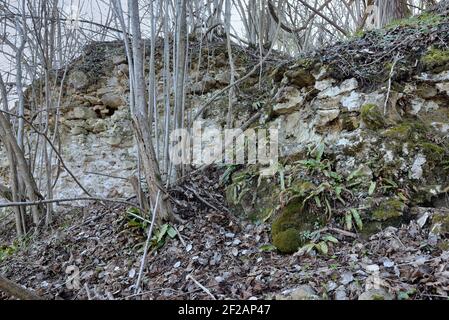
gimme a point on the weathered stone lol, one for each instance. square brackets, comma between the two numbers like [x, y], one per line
[426, 91]
[300, 77]
[112, 100]
[304, 292]
[114, 141]
[92, 100]
[81, 113]
[78, 80]
[443, 87]
[347, 86]
[119, 59]
[327, 116]
[123, 69]
[289, 100]
[97, 125]
[421, 105]
[353, 102]
[376, 294]
[78, 130]
[324, 84]
[417, 167]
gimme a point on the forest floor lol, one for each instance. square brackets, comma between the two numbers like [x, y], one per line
[227, 256]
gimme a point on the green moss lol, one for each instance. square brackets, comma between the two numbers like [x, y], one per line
[370, 228]
[388, 210]
[290, 217]
[301, 188]
[359, 33]
[443, 245]
[288, 241]
[433, 152]
[372, 117]
[289, 226]
[6, 251]
[436, 60]
[425, 19]
[401, 131]
[440, 223]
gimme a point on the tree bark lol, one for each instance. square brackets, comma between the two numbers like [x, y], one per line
[141, 125]
[390, 10]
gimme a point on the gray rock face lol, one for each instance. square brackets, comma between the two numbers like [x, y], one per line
[78, 80]
[112, 100]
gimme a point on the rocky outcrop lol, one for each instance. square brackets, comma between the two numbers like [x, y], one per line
[355, 152]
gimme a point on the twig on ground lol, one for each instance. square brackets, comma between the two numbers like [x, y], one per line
[201, 286]
[147, 243]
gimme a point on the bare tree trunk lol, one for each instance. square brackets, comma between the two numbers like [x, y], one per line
[390, 10]
[141, 120]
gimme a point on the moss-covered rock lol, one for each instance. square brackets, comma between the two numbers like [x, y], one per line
[372, 117]
[292, 223]
[402, 131]
[289, 217]
[390, 210]
[288, 241]
[440, 223]
[436, 60]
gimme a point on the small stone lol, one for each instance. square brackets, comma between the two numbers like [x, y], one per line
[81, 113]
[346, 278]
[304, 292]
[236, 242]
[177, 264]
[372, 268]
[327, 116]
[219, 279]
[388, 263]
[340, 294]
[376, 294]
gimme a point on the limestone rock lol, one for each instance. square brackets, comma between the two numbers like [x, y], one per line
[304, 292]
[81, 113]
[290, 99]
[376, 294]
[112, 100]
[346, 86]
[119, 59]
[78, 80]
[353, 102]
[300, 77]
[327, 116]
[443, 87]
